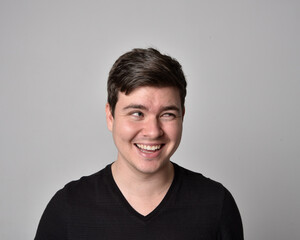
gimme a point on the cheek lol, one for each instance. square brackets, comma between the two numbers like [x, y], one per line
[126, 130]
[173, 131]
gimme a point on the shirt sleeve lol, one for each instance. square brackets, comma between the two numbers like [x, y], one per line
[231, 227]
[53, 222]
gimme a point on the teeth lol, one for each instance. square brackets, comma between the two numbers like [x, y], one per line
[149, 148]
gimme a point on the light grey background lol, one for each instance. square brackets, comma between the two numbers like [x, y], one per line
[241, 60]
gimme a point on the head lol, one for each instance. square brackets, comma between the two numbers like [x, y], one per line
[144, 67]
[146, 93]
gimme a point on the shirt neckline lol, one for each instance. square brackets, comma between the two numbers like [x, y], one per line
[155, 211]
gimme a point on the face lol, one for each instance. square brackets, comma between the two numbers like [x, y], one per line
[146, 127]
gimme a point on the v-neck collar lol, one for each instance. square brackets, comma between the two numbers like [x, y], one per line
[130, 209]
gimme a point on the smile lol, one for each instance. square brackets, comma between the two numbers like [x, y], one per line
[148, 148]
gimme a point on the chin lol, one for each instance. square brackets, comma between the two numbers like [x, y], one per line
[151, 166]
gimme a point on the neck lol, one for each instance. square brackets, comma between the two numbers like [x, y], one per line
[131, 182]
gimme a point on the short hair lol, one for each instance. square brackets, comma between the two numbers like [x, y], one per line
[144, 67]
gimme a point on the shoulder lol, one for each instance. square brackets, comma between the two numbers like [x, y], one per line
[197, 180]
[87, 187]
[199, 187]
[76, 197]
[210, 199]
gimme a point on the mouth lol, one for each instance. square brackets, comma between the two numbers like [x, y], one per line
[149, 148]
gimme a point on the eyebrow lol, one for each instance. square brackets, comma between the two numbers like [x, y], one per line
[142, 107]
[135, 106]
[171, 107]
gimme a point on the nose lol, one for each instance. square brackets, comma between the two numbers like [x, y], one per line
[152, 128]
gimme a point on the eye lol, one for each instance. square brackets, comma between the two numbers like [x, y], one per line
[168, 116]
[137, 114]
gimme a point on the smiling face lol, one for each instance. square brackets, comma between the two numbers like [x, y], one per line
[146, 127]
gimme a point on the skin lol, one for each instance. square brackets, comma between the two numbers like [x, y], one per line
[151, 118]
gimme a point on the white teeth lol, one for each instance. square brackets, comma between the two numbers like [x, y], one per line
[149, 148]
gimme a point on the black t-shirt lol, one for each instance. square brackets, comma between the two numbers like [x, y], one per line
[93, 207]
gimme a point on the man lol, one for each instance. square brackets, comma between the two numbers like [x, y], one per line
[143, 195]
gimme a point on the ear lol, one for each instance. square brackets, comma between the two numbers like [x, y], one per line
[109, 117]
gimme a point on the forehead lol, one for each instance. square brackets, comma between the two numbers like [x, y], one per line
[151, 97]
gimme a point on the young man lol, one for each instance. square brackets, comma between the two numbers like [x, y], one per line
[143, 195]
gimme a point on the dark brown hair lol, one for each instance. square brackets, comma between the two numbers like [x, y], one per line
[144, 67]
